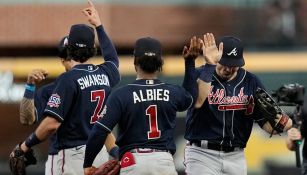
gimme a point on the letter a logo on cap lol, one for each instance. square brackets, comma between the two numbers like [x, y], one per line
[234, 52]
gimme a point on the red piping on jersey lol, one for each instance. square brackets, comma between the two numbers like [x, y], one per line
[63, 161]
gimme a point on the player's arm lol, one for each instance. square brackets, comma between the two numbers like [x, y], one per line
[27, 106]
[212, 55]
[107, 49]
[97, 138]
[112, 148]
[46, 128]
[190, 76]
[110, 141]
[94, 144]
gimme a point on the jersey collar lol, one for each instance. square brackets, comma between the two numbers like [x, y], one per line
[88, 67]
[238, 77]
[147, 81]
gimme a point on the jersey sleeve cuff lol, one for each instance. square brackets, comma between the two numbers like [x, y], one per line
[54, 115]
[103, 126]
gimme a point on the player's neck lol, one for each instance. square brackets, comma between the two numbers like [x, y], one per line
[233, 76]
[74, 63]
[148, 76]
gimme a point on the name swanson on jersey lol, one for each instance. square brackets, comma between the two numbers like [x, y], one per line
[150, 95]
[93, 80]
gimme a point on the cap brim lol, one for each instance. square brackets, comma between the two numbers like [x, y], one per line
[232, 62]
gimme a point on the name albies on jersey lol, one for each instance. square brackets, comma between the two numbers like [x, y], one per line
[145, 112]
[228, 110]
[80, 94]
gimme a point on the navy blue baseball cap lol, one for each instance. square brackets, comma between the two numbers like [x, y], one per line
[81, 36]
[62, 47]
[232, 52]
[147, 47]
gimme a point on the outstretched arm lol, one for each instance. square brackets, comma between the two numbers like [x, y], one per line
[27, 107]
[190, 76]
[107, 49]
[212, 56]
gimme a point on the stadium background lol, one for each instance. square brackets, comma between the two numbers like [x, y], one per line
[274, 32]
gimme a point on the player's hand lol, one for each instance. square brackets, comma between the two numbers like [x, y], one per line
[92, 14]
[24, 147]
[211, 53]
[294, 134]
[89, 170]
[36, 76]
[193, 51]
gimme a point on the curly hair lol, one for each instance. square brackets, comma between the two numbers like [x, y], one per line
[149, 64]
[80, 54]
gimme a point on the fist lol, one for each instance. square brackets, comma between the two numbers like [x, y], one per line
[294, 134]
[36, 76]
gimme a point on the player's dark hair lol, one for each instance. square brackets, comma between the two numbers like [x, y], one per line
[80, 54]
[149, 64]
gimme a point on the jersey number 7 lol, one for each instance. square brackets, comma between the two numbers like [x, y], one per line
[154, 132]
[97, 95]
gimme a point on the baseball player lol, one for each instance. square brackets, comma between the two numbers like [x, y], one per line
[145, 112]
[220, 123]
[34, 102]
[77, 97]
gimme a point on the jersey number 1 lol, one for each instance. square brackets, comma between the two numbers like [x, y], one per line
[154, 131]
[99, 96]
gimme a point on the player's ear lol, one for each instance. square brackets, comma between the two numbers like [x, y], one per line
[62, 61]
[136, 68]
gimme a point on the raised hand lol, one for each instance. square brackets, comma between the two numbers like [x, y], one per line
[193, 51]
[211, 53]
[92, 14]
[36, 76]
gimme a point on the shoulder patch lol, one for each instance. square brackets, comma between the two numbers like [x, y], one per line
[104, 111]
[54, 101]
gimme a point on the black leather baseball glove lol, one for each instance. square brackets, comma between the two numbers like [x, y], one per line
[269, 109]
[19, 160]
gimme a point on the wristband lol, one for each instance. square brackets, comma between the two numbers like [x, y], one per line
[207, 73]
[279, 127]
[28, 94]
[30, 87]
[29, 91]
[114, 152]
[32, 140]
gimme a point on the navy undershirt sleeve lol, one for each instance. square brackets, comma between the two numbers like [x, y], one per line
[190, 77]
[107, 49]
[94, 144]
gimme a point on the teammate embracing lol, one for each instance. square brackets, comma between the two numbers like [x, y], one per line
[220, 123]
[75, 100]
[145, 112]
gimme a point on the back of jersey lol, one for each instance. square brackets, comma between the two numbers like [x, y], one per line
[78, 100]
[146, 113]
